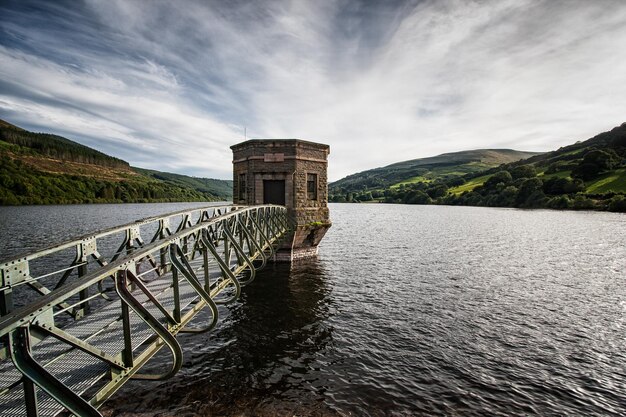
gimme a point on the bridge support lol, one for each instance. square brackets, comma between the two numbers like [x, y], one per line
[289, 172]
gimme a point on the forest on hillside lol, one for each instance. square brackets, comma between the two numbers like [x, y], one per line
[57, 147]
[39, 168]
[589, 175]
[21, 184]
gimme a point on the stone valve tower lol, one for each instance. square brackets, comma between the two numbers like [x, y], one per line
[288, 172]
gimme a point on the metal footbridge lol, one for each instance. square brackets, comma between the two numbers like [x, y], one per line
[80, 319]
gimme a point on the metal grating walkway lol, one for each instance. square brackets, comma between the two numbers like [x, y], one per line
[75, 345]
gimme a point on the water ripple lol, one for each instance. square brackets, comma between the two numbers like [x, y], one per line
[418, 310]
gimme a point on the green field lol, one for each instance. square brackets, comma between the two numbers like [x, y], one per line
[413, 180]
[561, 174]
[470, 185]
[614, 181]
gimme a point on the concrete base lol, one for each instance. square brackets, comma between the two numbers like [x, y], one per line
[301, 243]
[294, 255]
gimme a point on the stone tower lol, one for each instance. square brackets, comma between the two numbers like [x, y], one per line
[289, 172]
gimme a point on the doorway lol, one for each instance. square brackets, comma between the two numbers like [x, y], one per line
[274, 192]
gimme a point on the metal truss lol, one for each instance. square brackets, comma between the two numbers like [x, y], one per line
[92, 322]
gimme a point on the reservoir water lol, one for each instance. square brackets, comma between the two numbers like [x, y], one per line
[408, 310]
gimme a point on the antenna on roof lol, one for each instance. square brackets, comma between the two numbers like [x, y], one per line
[245, 133]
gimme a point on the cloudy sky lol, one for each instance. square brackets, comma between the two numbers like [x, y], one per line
[171, 85]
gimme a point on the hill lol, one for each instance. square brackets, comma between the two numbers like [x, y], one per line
[441, 167]
[220, 188]
[589, 175]
[40, 168]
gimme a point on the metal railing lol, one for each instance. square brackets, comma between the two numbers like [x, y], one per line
[98, 320]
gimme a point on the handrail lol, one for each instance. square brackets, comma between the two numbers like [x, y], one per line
[240, 253]
[147, 292]
[180, 263]
[223, 267]
[17, 274]
[106, 232]
[127, 297]
[20, 354]
[22, 315]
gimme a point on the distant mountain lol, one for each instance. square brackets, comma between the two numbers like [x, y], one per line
[447, 165]
[40, 168]
[587, 175]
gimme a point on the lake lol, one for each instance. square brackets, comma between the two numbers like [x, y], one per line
[408, 310]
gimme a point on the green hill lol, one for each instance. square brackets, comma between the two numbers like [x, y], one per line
[220, 188]
[40, 168]
[441, 167]
[588, 175]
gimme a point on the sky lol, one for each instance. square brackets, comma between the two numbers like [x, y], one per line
[171, 85]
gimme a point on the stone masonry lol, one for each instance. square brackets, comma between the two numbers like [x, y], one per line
[292, 172]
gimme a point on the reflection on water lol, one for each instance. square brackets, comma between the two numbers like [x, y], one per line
[412, 310]
[262, 358]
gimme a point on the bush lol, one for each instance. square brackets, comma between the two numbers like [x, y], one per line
[561, 202]
[618, 204]
[581, 202]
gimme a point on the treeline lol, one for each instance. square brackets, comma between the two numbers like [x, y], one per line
[515, 185]
[57, 147]
[220, 188]
[21, 184]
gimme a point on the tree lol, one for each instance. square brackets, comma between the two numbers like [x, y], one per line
[604, 159]
[581, 202]
[558, 186]
[586, 171]
[503, 177]
[437, 191]
[530, 187]
[523, 171]
[507, 197]
[595, 162]
[561, 202]
[417, 197]
[456, 181]
[618, 203]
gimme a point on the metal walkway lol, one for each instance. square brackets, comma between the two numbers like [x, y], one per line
[105, 304]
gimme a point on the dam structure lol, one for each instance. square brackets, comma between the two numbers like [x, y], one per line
[290, 173]
[81, 318]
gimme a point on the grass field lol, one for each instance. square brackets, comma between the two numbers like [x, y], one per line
[561, 174]
[412, 180]
[470, 185]
[614, 181]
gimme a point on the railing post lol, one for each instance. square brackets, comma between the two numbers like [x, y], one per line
[127, 352]
[83, 308]
[30, 395]
[176, 313]
[242, 233]
[6, 301]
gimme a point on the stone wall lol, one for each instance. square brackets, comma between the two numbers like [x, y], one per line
[291, 160]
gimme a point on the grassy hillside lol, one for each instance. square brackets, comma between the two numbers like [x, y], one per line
[586, 175]
[442, 167]
[215, 187]
[37, 168]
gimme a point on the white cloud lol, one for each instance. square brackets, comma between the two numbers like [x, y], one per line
[177, 84]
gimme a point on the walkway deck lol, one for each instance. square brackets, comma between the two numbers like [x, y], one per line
[139, 301]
